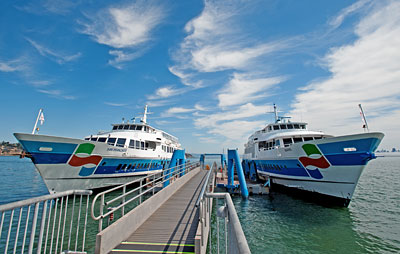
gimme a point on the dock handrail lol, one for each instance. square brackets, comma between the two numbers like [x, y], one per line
[203, 189]
[44, 206]
[157, 179]
[238, 242]
[235, 240]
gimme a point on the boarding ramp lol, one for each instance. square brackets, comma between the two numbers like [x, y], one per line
[183, 184]
[54, 223]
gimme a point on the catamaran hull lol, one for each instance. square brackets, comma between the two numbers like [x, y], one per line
[329, 167]
[66, 163]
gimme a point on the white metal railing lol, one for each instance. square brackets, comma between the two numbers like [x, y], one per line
[233, 238]
[146, 186]
[45, 224]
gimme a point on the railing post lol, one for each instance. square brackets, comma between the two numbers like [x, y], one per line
[33, 230]
[154, 183]
[140, 191]
[39, 247]
[101, 213]
[9, 229]
[123, 200]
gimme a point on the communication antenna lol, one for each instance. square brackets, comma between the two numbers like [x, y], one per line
[365, 124]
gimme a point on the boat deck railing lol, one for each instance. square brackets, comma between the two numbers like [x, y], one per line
[52, 223]
[109, 205]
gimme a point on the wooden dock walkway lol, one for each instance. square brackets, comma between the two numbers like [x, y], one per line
[172, 228]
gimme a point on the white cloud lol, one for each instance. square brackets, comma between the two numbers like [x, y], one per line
[338, 19]
[123, 56]
[7, 67]
[158, 103]
[12, 65]
[165, 92]
[57, 94]
[231, 128]
[220, 57]
[125, 27]
[208, 140]
[53, 55]
[186, 78]
[245, 111]
[243, 88]
[367, 72]
[178, 110]
[115, 104]
[60, 7]
[237, 130]
[217, 41]
[41, 83]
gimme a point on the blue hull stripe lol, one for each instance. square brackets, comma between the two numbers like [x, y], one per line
[60, 153]
[58, 148]
[335, 154]
[109, 166]
[50, 158]
[282, 167]
[362, 145]
[347, 159]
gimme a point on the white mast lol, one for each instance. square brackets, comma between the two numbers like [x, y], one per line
[37, 119]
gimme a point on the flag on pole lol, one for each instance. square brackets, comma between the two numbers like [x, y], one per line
[41, 118]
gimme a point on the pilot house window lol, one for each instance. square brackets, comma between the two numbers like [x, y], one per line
[287, 141]
[111, 141]
[297, 140]
[102, 139]
[121, 142]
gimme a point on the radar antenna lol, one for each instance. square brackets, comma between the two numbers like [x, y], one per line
[145, 113]
[277, 117]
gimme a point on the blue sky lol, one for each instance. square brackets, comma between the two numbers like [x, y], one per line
[209, 70]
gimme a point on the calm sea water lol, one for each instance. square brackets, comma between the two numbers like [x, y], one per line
[280, 223]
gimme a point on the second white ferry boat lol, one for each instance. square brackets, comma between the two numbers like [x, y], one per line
[128, 151]
[290, 155]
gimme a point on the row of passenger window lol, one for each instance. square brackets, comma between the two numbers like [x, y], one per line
[286, 126]
[168, 149]
[134, 144]
[273, 166]
[288, 141]
[132, 127]
[268, 145]
[138, 166]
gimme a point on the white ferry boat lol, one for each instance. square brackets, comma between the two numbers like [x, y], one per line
[292, 156]
[128, 151]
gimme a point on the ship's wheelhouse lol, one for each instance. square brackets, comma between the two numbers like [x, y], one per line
[148, 138]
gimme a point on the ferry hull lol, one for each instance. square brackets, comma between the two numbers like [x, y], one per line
[66, 163]
[330, 166]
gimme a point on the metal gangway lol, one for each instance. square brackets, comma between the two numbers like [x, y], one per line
[171, 210]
